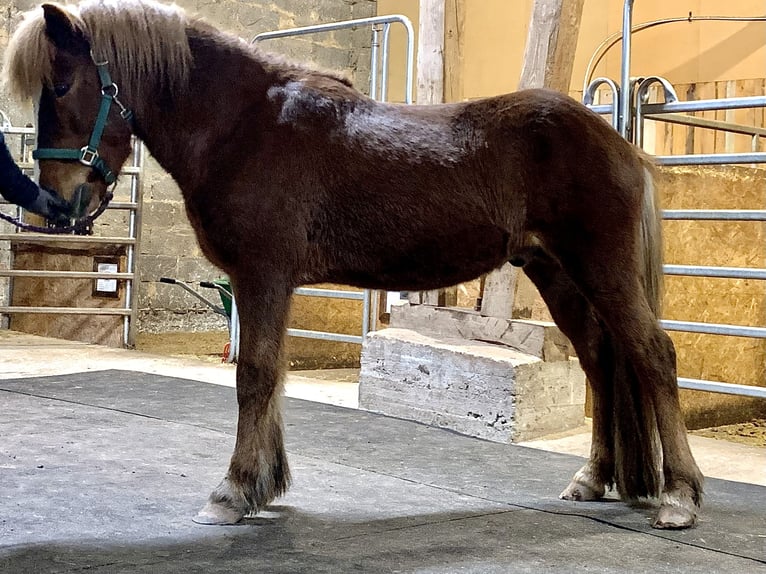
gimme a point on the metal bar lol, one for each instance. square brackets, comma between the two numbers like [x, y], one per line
[130, 170]
[711, 159]
[717, 272]
[714, 214]
[727, 388]
[40, 238]
[613, 109]
[64, 274]
[393, 18]
[233, 332]
[625, 91]
[602, 109]
[131, 293]
[707, 123]
[304, 30]
[366, 312]
[18, 131]
[324, 336]
[193, 293]
[331, 293]
[123, 204]
[385, 49]
[642, 96]
[8, 310]
[374, 48]
[714, 329]
[706, 105]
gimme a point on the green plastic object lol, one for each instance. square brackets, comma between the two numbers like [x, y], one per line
[225, 284]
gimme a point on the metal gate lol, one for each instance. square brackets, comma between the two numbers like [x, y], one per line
[129, 241]
[629, 110]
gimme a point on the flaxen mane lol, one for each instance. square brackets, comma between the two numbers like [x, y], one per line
[145, 42]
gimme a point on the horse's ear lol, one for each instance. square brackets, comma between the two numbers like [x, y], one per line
[62, 29]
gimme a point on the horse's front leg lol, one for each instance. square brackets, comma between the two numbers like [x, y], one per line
[258, 471]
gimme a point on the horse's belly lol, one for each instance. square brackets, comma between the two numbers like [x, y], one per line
[437, 262]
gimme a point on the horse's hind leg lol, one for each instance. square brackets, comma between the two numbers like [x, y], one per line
[258, 471]
[602, 260]
[576, 318]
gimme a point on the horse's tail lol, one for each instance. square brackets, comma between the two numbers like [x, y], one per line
[651, 240]
[637, 448]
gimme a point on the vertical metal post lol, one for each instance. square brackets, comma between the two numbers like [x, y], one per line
[625, 91]
[384, 62]
[233, 331]
[366, 311]
[130, 291]
[374, 61]
[410, 71]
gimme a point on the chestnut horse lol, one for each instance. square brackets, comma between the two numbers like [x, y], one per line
[290, 176]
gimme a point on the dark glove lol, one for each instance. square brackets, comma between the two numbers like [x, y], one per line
[21, 190]
[50, 205]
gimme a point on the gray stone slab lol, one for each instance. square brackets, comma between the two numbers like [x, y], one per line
[101, 472]
[483, 390]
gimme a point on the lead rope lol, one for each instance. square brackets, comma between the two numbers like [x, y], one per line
[81, 226]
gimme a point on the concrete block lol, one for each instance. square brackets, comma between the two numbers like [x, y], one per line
[475, 388]
[539, 338]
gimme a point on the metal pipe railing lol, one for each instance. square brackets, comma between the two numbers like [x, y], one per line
[725, 388]
[712, 158]
[714, 214]
[359, 22]
[714, 329]
[715, 272]
[624, 119]
[706, 105]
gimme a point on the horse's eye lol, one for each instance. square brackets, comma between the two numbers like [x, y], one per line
[60, 89]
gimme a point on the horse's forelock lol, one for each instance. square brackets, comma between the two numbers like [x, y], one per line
[144, 41]
[28, 60]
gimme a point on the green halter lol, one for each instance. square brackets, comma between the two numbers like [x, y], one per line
[88, 155]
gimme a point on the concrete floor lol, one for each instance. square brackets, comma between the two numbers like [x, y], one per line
[23, 355]
[106, 454]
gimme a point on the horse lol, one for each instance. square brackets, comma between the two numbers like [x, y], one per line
[290, 176]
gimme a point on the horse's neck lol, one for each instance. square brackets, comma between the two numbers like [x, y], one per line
[188, 134]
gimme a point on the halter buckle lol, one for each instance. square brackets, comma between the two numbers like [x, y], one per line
[88, 156]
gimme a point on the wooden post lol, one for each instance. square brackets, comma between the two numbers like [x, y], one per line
[548, 61]
[551, 44]
[431, 52]
[430, 88]
[454, 25]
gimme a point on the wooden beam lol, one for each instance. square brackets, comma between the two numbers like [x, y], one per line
[430, 88]
[454, 25]
[548, 61]
[430, 73]
[551, 44]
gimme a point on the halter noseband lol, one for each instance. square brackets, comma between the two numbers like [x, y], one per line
[88, 155]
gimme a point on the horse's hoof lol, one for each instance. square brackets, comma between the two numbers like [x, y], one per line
[581, 492]
[217, 514]
[672, 517]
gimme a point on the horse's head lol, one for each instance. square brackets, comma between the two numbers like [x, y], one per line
[83, 129]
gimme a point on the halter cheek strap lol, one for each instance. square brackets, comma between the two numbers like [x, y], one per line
[88, 155]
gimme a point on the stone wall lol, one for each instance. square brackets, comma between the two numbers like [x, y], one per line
[168, 247]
